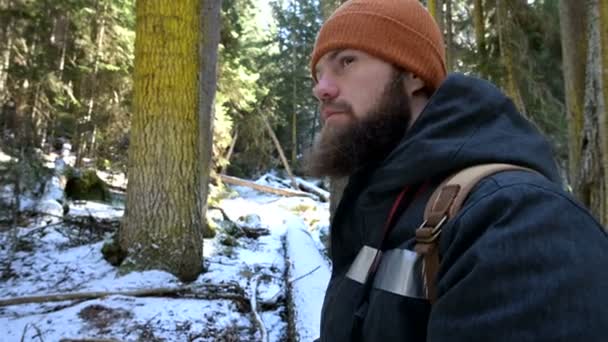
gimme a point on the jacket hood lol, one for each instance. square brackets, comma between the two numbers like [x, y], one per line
[466, 122]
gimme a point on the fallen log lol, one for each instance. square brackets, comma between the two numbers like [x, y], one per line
[205, 291]
[265, 188]
[309, 187]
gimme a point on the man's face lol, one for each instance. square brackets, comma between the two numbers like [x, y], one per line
[365, 112]
[349, 84]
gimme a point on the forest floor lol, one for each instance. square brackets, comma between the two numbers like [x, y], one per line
[282, 275]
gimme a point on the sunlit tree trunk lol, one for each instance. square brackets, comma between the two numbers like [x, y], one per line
[163, 227]
[506, 54]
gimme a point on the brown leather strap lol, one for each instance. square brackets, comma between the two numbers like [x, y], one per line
[443, 205]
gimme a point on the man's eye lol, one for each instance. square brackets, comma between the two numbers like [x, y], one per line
[347, 60]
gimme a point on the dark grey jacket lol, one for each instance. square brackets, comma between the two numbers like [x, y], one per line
[523, 261]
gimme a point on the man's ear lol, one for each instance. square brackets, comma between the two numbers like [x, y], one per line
[413, 84]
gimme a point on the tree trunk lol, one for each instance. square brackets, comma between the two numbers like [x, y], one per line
[228, 156]
[277, 144]
[449, 36]
[5, 62]
[294, 94]
[162, 227]
[603, 112]
[506, 55]
[480, 30]
[574, 49]
[436, 9]
[87, 138]
[591, 182]
[210, 25]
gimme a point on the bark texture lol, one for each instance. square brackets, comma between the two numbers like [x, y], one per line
[574, 49]
[163, 220]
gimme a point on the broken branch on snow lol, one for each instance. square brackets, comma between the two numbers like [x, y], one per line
[265, 188]
[206, 291]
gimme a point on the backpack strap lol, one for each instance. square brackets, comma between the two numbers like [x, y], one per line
[444, 204]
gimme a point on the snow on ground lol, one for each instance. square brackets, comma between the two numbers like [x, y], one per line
[55, 257]
[4, 158]
[115, 179]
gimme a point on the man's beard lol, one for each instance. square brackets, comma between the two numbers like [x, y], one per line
[341, 149]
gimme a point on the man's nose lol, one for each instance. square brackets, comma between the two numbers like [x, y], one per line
[325, 89]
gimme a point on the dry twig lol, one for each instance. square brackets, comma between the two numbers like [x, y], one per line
[253, 302]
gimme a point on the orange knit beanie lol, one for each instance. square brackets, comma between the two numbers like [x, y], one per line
[401, 32]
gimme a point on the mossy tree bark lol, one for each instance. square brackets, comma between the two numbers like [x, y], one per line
[591, 182]
[163, 221]
[602, 26]
[584, 30]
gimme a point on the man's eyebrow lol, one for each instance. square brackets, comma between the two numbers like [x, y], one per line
[331, 57]
[334, 54]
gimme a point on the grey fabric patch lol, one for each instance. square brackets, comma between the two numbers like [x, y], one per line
[400, 272]
[359, 268]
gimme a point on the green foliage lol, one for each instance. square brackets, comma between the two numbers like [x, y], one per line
[70, 66]
[241, 91]
[65, 57]
[536, 46]
[298, 22]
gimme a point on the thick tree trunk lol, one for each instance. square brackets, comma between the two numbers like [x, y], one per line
[162, 227]
[591, 182]
[574, 49]
[603, 113]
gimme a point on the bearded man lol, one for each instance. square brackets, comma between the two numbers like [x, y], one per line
[522, 260]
